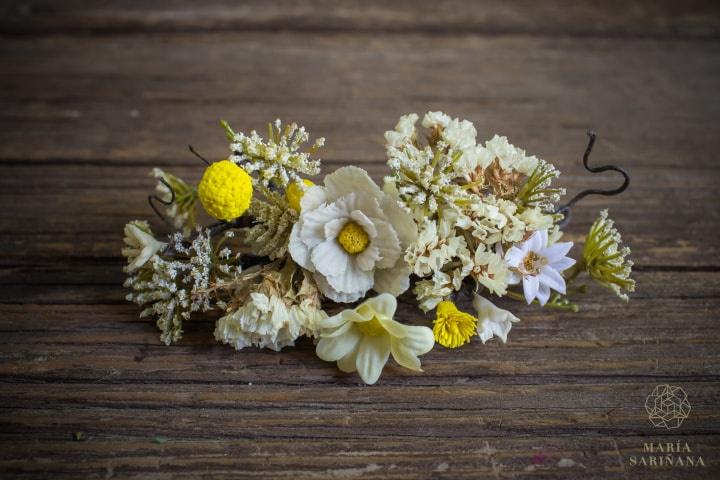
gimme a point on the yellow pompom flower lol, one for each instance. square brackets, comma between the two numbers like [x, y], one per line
[225, 190]
[453, 328]
[295, 192]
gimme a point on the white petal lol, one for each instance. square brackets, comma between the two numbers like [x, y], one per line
[366, 224]
[387, 242]
[333, 349]
[493, 320]
[333, 227]
[401, 221]
[349, 179]
[312, 198]
[555, 252]
[334, 295]
[513, 278]
[298, 250]
[548, 276]
[393, 280]
[417, 340]
[372, 356]
[514, 256]
[404, 356]
[353, 279]
[332, 322]
[543, 294]
[367, 259]
[330, 258]
[535, 242]
[562, 264]
[313, 223]
[530, 287]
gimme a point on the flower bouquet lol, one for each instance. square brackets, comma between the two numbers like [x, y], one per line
[453, 218]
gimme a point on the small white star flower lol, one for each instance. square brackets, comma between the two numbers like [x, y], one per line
[493, 321]
[538, 266]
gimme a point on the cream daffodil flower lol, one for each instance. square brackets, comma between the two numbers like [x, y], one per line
[493, 321]
[141, 246]
[362, 339]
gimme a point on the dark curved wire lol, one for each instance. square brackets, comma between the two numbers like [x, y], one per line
[154, 198]
[565, 209]
[198, 155]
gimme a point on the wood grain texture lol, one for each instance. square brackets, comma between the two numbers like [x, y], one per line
[94, 94]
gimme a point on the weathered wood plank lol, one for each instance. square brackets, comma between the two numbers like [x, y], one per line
[556, 17]
[542, 93]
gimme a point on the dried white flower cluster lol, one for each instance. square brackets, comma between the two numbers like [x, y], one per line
[462, 217]
[277, 160]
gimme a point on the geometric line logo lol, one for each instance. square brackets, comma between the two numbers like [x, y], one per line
[667, 406]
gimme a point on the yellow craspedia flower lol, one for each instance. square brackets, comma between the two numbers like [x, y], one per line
[295, 192]
[225, 190]
[453, 328]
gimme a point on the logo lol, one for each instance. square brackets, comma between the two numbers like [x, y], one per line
[667, 406]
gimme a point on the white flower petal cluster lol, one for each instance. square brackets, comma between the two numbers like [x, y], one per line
[266, 321]
[278, 159]
[378, 229]
[539, 266]
[362, 339]
[140, 243]
[510, 156]
[493, 321]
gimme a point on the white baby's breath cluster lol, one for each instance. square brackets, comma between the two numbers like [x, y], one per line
[455, 216]
[276, 160]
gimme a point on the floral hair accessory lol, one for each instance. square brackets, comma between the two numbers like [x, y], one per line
[454, 219]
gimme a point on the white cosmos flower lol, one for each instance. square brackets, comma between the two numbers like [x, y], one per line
[538, 266]
[362, 339]
[493, 321]
[351, 235]
[141, 246]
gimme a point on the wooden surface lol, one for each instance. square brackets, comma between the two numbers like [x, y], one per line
[95, 94]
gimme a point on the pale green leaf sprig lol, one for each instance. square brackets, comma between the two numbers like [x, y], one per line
[537, 190]
[604, 259]
[273, 221]
[277, 160]
[183, 210]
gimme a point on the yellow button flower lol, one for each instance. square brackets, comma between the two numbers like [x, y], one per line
[453, 328]
[295, 192]
[225, 190]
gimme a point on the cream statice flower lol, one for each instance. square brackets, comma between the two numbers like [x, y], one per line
[362, 339]
[427, 178]
[352, 237]
[538, 266]
[490, 271]
[493, 321]
[266, 321]
[141, 244]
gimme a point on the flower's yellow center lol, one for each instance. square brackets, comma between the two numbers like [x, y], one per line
[453, 328]
[295, 192]
[353, 238]
[532, 263]
[371, 328]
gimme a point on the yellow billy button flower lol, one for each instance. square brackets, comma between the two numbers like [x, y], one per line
[453, 328]
[225, 190]
[352, 238]
[295, 192]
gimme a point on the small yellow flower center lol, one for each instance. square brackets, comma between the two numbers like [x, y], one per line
[371, 328]
[295, 192]
[353, 238]
[532, 263]
[453, 328]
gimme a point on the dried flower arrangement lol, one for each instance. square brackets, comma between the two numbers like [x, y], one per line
[459, 217]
